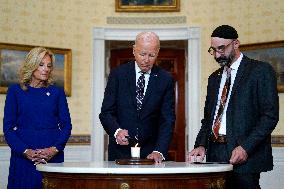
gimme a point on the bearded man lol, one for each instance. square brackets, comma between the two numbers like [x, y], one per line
[241, 110]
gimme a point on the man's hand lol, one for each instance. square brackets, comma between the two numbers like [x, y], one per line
[199, 151]
[239, 155]
[121, 137]
[156, 156]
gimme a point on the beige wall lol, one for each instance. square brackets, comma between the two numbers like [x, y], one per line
[69, 23]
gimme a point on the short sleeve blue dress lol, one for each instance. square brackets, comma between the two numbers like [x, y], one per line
[34, 119]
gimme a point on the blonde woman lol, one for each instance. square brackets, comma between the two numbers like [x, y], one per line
[37, 122]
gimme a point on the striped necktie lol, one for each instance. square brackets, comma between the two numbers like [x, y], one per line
[223, 100]
[140, 90]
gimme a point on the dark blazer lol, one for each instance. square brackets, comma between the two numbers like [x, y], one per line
[252, 114]
[155, 121]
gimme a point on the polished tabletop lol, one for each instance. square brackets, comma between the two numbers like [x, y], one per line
[110, 167]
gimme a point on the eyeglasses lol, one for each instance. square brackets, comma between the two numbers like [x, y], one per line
[220, 49]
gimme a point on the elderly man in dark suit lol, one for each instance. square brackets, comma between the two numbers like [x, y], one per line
[241, 111]
[139, 104]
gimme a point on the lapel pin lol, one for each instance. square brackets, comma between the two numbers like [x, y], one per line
[48, 93]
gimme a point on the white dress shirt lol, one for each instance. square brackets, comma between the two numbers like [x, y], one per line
[234, 67]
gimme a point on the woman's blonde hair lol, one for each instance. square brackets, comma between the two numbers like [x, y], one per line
[31, 63]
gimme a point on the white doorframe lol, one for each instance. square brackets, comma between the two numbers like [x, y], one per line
[192, 88]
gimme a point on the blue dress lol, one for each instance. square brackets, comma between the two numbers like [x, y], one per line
[36, 118]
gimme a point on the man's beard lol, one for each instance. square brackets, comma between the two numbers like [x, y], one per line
[225, 61]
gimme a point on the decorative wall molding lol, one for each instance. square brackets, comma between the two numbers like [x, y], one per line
[147, 20]
[79, 140]
[73, 140]
[276, 140]
[129, 34]
[2, 141]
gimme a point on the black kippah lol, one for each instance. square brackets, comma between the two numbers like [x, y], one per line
[225, 32]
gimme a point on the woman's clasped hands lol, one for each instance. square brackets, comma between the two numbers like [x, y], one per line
[40, 156]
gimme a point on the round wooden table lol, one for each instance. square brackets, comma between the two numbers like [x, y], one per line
[109, 175]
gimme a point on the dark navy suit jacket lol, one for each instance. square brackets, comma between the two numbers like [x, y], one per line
[155, 121]
[252, 113]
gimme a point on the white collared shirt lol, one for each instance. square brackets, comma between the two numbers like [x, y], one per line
[234, 67]
[138, 74]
